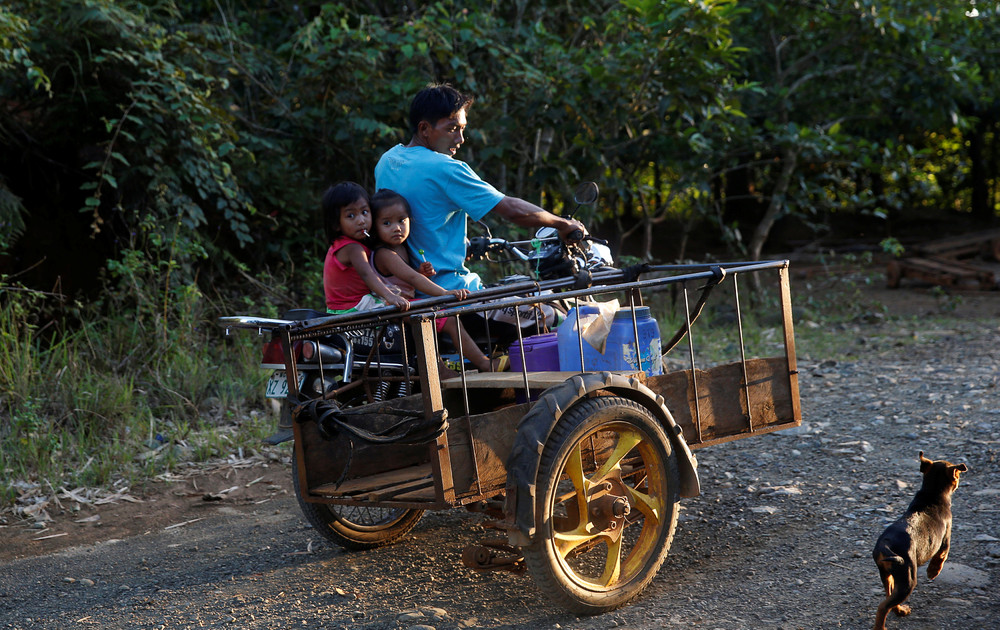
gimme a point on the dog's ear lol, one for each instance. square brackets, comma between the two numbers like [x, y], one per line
[956, 474]
[924, 462]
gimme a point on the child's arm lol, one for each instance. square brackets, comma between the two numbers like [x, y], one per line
[357, 257]
[390, 261]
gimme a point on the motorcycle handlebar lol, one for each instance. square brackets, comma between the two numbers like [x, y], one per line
[594, 239]
[479, 246]
[499, 244]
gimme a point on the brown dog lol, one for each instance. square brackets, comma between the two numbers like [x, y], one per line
[922, 534]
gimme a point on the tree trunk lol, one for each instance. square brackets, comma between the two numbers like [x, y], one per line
[789, 160]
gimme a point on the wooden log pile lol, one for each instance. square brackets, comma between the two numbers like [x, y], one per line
[951, 262]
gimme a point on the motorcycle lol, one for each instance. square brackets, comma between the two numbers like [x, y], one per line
[368, 365]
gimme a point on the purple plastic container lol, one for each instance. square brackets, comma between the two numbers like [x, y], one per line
[540, 354]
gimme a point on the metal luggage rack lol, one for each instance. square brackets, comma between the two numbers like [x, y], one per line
[529, 293]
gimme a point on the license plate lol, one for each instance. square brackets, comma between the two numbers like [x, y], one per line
[277, 385]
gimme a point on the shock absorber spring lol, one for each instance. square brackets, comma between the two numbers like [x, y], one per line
[381, 391]
[403, 390]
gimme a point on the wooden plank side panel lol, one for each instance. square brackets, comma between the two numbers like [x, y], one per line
[722, 402]
[492, 438]
[791, 358]
[380, 481]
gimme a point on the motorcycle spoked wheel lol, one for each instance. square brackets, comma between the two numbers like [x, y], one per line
[352, 526]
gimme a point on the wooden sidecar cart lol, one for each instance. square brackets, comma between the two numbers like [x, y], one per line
[580, 471]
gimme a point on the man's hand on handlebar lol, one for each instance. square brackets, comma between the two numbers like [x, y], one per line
[572, 231]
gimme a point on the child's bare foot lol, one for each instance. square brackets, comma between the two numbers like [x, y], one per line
[445, 372]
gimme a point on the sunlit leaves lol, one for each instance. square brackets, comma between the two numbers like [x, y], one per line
[15, 50]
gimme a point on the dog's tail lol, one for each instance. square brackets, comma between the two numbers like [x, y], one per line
[886, 558]
[888, 561]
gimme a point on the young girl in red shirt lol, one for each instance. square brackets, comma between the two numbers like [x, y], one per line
[349, 280]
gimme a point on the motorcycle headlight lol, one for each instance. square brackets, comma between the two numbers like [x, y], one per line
[600, 253]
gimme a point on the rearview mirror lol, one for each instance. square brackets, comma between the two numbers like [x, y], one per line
[586, 193]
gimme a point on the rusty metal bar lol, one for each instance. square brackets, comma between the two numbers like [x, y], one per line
[694, 372]
[406, 360]
[291, 370]
[579, 333]
[635, 331]
[475, 460]
[461, 365]
[743, 351]
[520, 343]
[465, 400]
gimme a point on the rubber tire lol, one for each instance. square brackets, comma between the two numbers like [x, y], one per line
[546, 567]
[332, 525]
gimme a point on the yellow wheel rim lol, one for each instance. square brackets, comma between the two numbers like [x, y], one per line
[611, 470]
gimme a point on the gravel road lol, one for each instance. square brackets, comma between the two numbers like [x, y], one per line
[781, 536]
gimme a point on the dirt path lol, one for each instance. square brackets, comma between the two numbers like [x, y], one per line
[780, 538]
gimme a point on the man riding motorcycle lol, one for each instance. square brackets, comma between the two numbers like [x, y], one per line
[442, 191]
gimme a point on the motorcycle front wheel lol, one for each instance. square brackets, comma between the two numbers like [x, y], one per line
[356, 527]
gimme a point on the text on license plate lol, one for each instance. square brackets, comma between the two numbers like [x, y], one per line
[277, 385]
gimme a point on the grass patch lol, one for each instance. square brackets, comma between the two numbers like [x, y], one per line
[119, 399]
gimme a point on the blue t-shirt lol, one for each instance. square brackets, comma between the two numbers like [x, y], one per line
[441, 191]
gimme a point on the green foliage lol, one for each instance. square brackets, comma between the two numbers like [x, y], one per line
[209, 128]
[15, 53]
[15, 57]
[847, 97]
[172, 139]
[892, 246]
[949, 302]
